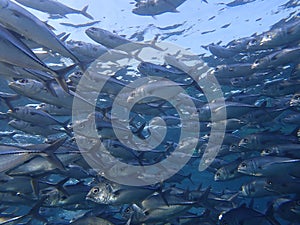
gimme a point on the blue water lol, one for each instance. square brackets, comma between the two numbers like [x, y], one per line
[195, 26]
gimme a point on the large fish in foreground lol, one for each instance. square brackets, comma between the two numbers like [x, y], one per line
[12, 48]
[13, 156]
[21, 21]
[53, 7]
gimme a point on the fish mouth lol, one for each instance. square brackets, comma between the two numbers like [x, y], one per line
[266, 187]
[10, 111]
[136, 11]
[254, 66]
[130, 99]
[242, 144]
[242, 170]
[89, 198]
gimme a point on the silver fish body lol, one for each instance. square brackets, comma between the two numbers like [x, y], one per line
[25, 23]
[156, 7]
[269, 166]
[53, 7]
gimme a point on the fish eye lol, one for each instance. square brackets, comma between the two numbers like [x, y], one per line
[95, 190]
[256, 61]
[94, 49]
[78, 73]
[23, 81]
[269, 182]
[218, 174]
[243, 165]
[63, 197]
[245, 140]
[93, 29]
[127, 210]
[298, 203]
[156, 70]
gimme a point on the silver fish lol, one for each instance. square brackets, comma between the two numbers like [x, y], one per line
[228, 171]
[35, 116]
[27, 59]
[54, 110]
[35, 129]
[17, 156]
[279, 58]
[53, 7]
[113, 193]
[117, 42]
[37, 90]
[256, 189]
[18, 19]
[283, 185]
[269, 166]
[156, 7]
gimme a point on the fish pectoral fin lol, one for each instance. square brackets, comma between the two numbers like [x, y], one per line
[129, 220]
[175, 11]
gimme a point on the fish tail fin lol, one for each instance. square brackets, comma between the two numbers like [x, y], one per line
[205, 1]
[62, 82]
[51, 157]
[163, 193]
[85, 13]
[153, 44]
[60, 76]
[189, 177]
[203, 200]
[60, 186]
[34, 212]
[67, 129]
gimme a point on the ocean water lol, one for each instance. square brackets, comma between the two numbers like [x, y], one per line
[40, 190]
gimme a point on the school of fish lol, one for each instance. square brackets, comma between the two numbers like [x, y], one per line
[44, 178]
